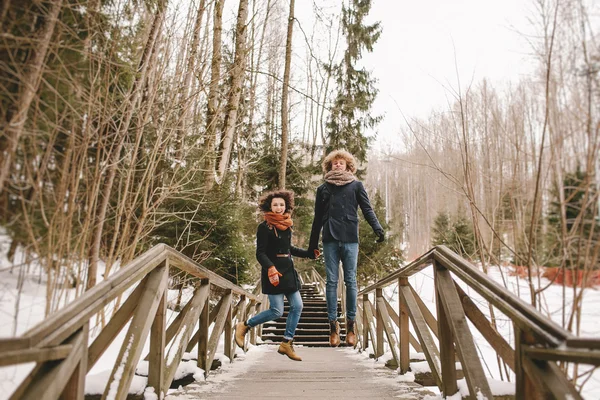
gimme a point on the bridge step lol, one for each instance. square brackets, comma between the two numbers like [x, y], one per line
[313, 327]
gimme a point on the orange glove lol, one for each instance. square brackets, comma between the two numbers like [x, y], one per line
[317, 253]
[273, 275]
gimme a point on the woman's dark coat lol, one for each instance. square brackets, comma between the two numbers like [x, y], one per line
[268, 246]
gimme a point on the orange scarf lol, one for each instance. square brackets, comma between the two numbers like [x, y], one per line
[279, 221]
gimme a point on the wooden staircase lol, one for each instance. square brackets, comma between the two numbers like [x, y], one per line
[313, 328]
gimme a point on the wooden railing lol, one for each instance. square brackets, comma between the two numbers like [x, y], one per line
[537, 357]
[59, 345]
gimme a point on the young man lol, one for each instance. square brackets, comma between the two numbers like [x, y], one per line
[336, 212]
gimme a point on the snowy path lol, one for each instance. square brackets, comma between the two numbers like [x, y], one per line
[323, 373]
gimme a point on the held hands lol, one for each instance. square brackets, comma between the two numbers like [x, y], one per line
[380, 236]
[273, 275]
[313, 254]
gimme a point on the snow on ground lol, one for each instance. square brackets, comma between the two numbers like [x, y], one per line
[23, 300]
[552, 306]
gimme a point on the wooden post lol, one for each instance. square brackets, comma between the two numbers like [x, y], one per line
[156, 364]
[366, 321]
[524, 387]
[465, 344]
[379, 324]
[404, 339]
[74, 390]
[204, 322]
[446, 340]
[253, 312]
[228, 341]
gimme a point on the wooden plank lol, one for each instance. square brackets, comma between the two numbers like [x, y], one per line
[211, 318]
[484, 326]
[369, 326]
[524, 315]
[75, 388]
[222, 314]
[446, 341]
[187, 264]
[412, 268]
[429, 318]
[202, 339]
[591, 357]
[253, 306]
[359, 326]
[13, 344]
[404, 329]
[59, 326]
[523, 385]
[228, 341]
[198, 301]
[156, 355]
[465, 344]
[550, 381]
[129, 355]
[586, 343]
[388, 329]
[115, 325]
[412, 340]
[35, 355]
[366, 321]
[379, 324]
[49, 380]
[425, 337]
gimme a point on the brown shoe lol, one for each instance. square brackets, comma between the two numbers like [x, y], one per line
[287, 349]
[350, 335]
[334, 336]
[240, 333]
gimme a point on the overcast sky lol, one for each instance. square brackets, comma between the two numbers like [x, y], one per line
[421, 40]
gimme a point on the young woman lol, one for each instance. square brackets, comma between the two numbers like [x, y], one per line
[274, 252]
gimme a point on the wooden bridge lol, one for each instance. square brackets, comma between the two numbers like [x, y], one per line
[63, 348]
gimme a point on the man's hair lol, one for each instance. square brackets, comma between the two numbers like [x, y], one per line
[344, 155]
[264, 203]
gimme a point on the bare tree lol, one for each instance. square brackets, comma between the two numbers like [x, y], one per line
[17, 116]
[284, 99]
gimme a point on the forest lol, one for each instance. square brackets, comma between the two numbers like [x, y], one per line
[128, 123]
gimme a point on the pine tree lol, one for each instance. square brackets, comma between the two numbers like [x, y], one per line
[350, 116]
[581, 209]
[455, 232]
[375, 260]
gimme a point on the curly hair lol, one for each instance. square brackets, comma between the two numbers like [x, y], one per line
[264, 203]
[341, 154]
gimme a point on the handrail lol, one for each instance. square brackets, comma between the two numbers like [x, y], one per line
[486, 287]
[539, 341]
[59, 344]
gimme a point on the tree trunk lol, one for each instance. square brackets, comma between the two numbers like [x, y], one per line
[29, 85]
[237, 78]
[213, 93]
[134, 97]
[284, 99]
[187, 100]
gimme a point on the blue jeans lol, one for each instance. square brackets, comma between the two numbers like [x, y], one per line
[347, 253]
[276, 310]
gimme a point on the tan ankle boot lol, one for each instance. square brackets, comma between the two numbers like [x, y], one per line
[240, 333]
[350, 335]
[287, 349]
[334, 336]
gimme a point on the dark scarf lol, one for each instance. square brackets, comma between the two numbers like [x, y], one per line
[278, 221]
[339, 178]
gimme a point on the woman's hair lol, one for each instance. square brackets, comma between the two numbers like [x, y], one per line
[344, 155]
[264, 203]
